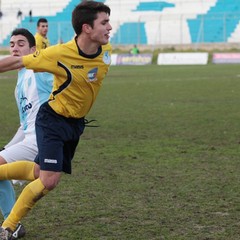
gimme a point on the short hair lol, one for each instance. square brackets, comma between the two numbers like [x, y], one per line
[26, 34]
[86, 12]
[41, 20]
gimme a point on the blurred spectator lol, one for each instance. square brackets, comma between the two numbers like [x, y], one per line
[30, 16]
[1, 14]
[135, 50]
[19, 14]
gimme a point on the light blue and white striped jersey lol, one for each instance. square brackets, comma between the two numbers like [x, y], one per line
[31, 91]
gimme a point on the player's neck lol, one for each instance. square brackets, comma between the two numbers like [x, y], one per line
[87, 47]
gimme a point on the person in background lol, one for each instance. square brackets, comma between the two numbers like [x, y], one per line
[32, 89]
[79, 67]
[30, 16]
[135, 50]
[42, 41]
[19, 14]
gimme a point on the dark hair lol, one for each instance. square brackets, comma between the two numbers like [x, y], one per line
[86, 12]
[40, 20]
[26, 34]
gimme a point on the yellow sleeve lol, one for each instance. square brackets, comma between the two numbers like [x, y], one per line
[44, 60]
[38, 41]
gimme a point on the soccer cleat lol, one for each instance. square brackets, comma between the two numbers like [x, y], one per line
[19, 232]
[5, 234]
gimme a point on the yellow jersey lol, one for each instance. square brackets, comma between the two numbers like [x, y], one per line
[41, 42]
[77, 76]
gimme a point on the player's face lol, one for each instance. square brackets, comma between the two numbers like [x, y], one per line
[101, 29]
[43, 28]
[19, 46]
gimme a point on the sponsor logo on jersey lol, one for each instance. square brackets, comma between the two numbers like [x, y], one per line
[106, 57]
[77, 67]
[23, 99]
[92, 75]
[24, 104]
[26, 107]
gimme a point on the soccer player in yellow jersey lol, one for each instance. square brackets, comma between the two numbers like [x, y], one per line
[42, 41]
[79, 67]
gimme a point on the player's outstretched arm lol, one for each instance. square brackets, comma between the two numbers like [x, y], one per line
[10, 63]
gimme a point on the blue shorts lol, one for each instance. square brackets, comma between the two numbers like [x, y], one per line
[57, 139]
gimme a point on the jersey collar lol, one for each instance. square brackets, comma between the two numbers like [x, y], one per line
[81, 53]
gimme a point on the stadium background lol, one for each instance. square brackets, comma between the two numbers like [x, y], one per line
[151, 23]
[165, 162]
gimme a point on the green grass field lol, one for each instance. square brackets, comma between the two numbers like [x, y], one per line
[164, 163]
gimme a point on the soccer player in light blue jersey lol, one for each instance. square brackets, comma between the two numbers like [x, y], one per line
[32, 89]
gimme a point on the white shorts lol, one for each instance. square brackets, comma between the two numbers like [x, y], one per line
[24, 150]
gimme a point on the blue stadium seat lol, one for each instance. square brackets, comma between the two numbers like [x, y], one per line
[218, 24]
[60, 28]
[153, 6]
[134, 33]
[130, 33]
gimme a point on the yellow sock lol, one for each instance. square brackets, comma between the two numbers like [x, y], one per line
[21, 170]
[27, 199]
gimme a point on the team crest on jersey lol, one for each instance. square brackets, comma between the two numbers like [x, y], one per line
[106, 57]
[92, 75]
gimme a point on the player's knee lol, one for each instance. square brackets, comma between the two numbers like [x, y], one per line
[36, 171]
[50, 185]
[50, 182]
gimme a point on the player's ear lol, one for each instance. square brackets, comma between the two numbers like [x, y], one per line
[86, 28]
[33, 49]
